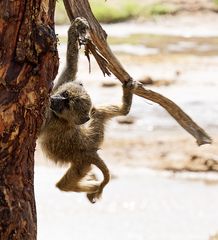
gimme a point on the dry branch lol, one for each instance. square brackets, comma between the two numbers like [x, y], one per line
[82, 8]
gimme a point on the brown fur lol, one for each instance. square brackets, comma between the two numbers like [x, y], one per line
[65, 138]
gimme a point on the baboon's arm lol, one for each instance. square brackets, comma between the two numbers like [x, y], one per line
[127, 99]
[94, 133]
[110, 111]
[70, 69]
[76, 35]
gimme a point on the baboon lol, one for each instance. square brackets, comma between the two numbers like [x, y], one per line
[74, 130]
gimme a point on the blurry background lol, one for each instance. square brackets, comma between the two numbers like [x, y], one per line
[163, 185]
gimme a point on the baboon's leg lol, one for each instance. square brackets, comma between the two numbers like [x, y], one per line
[96, 160]
[100, 115]
[72, 180]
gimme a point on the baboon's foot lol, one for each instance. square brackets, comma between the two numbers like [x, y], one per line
[90, 186]
[87, 186]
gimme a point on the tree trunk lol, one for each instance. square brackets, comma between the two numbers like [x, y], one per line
[28, 65]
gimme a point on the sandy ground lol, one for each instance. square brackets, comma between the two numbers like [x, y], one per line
[138, 205]
[163, 185]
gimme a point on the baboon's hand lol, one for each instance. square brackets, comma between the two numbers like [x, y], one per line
[130, 85]
[81, 27]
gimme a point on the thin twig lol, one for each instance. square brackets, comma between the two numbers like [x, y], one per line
[102, 62]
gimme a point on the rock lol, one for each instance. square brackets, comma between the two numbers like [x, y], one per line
[147, 81]
[158, 82]
[125, 120]
[109, 84]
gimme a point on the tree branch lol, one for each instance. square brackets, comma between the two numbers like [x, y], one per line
[82, 8]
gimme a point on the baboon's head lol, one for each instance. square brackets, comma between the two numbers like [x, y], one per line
[72, 103]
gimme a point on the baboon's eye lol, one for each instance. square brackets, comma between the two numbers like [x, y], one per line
[65, 94]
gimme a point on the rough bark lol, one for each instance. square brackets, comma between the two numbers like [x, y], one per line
[28, 65]
[82, 8]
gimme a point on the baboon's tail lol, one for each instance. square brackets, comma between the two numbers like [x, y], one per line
[104, 169]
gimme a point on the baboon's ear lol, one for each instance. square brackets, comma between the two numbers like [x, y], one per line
[93, 111]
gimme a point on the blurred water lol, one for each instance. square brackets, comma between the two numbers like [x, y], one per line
[135, 50]
[157, 28]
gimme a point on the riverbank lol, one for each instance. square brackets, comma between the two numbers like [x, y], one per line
[141, 10]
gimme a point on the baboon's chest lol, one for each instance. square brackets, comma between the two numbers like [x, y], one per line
[61, 148]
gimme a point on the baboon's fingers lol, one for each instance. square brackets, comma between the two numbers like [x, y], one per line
[131, 84]
[82, 28]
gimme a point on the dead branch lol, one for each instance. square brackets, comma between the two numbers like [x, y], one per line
[82, 8]
[102, 63]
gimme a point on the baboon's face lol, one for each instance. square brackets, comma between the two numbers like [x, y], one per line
[72, 103]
